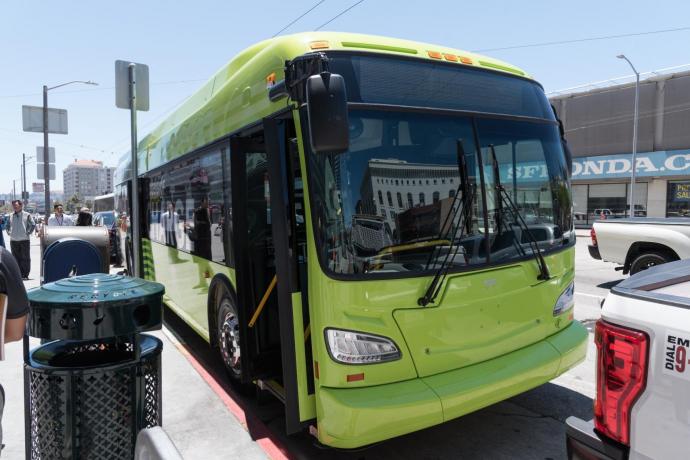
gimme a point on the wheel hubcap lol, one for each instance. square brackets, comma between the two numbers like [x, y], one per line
[649, 264]
[230, 342]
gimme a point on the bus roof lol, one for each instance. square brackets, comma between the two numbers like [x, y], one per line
[237, 94]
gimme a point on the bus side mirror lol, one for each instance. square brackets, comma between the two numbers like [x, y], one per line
[327, 112]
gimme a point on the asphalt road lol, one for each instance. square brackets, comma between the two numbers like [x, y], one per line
[528, 426]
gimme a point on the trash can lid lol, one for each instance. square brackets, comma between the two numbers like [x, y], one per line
[93, 288]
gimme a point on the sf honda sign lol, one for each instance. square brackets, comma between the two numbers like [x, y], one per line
[662, 163]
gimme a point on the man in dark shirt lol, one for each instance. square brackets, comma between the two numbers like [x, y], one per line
[12, 290]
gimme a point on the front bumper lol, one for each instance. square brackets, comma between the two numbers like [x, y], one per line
[582, 442]
[594, 251]
[354, 417]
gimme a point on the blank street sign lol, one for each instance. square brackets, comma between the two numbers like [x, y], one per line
[51, 154]
[39, 171]
[32, 120]
[141, 78]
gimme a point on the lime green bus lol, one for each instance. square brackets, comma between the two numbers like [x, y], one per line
[377, 231]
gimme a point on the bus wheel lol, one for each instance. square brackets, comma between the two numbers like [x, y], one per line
[229, 337]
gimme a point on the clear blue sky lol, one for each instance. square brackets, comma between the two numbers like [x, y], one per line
[52, 42]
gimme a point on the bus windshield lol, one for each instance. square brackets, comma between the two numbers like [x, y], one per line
[388, 204]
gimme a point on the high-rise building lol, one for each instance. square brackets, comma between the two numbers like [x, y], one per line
[87, 179]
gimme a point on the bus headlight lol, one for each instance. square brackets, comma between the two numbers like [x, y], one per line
[351, 347]
[566, 301]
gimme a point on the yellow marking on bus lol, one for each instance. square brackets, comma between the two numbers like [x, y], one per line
[262, 304]
[319, 45]
[406, 247]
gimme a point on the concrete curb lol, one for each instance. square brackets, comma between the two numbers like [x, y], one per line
[588, 300]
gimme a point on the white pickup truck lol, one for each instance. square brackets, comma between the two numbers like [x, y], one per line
[642, 405]
[639, 243]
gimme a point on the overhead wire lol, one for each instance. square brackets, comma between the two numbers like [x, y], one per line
[153, 120]
[579, 40]
[298, 18]
[57, 141]
[100, 88]
[339, 14]
[626, 118]
[277, 33]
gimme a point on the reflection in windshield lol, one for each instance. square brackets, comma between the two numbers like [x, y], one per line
[386, 204]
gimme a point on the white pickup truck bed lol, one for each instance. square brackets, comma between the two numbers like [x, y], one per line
[656, 303]
[640, 243]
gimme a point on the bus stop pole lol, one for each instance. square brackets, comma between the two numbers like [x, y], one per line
[134, 216]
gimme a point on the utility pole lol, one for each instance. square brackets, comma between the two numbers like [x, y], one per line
[14, 189]
[25, 195]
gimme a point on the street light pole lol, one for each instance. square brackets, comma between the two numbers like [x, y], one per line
[46, 164]
[46, 157]
[634, 146]
[25, 192]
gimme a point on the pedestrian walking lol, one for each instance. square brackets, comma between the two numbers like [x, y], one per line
[20, 225]
[14, 302]
[84, 219]
[170, 224]
[59, 219]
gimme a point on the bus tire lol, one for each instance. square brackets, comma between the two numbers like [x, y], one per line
[228, 337]
[647, 260]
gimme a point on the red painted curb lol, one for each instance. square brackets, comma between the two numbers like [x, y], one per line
[272, 447]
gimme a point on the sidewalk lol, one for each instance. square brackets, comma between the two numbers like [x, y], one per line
[194, 416]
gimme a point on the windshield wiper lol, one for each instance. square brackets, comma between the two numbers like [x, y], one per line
[463, 187]
[504, 198]
[465, 212]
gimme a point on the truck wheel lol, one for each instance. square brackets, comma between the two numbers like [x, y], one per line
[228, 334]
[646, 260]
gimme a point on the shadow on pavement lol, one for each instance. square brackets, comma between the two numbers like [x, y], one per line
[609, 284]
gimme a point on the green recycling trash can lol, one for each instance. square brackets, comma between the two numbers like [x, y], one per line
[97, 382]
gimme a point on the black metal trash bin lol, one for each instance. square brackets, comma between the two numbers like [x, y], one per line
[90, 392]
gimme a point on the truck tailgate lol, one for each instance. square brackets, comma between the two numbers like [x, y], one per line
[658, 303]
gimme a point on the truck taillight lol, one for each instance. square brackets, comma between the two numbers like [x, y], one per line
[593, 234]
[621, 377]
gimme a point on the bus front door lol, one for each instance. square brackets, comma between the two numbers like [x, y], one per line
[254, 260]
[271, 312]
[289, 240]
